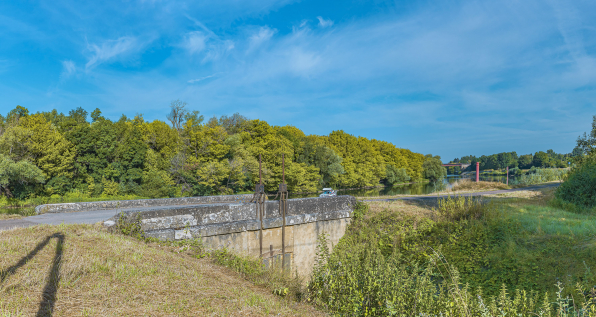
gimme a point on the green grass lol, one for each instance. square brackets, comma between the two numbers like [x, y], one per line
[544, 220]
[495, 249]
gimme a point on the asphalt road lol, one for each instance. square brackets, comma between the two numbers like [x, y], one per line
[91, 217]
[59, 218]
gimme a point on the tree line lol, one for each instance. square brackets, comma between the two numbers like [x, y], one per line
[50, 153]
[548, 159]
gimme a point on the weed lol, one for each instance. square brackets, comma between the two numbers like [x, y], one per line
[282, 283]
[130, 225]
[460, 207]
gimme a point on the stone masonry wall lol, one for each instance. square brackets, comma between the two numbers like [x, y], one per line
[236, 226]
[140, 203]
[193, 221]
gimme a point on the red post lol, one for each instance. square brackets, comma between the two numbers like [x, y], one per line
[507, 175]
[477, 172]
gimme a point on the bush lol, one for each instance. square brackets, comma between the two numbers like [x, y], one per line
[580, 187]
[540, 175]
[366, 282]
[281, 283]
[515, 171]
[473, 259]
[460, 207]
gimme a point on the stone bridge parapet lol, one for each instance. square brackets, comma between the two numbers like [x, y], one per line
[236, 226]
[203, 220]
[140, 203]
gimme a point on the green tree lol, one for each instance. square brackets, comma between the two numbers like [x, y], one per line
[396, 175]
[329, 163]
[433, 169]
[541, 159]
[587, 143]
[525, 161]
[17, 173]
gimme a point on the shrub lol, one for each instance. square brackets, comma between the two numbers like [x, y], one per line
[359, 210]
[282, 283]
[366, 282]
[580, 187]
[515, 171]
[460, 207]
[540, 175]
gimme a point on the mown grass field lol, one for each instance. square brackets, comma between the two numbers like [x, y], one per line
[82, 270]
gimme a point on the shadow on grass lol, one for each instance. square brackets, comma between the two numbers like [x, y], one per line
[46, 307]
[49, 292]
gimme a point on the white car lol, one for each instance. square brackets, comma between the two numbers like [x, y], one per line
[328, 192]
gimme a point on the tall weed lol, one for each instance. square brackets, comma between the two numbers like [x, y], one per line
[365, 282]
[460, 207]
[540, 175]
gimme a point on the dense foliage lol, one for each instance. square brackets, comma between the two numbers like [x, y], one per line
[64, 155]
[471, 259]
[580, 187]
[538, 176]
[433, 169]
[502, 160]
[579, 190]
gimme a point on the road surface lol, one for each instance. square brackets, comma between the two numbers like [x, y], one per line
[90, 217]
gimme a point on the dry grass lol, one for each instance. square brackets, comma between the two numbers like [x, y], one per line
[535, 197]
[81, 270]
[416, 209]
[5, 216]
[527, 194]
[467, 185]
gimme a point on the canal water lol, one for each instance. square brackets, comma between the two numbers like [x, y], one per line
[407, 189]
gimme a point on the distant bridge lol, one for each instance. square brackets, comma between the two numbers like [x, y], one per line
[463, 166]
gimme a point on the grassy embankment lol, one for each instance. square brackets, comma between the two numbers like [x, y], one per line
[82, 270]
[463, 257]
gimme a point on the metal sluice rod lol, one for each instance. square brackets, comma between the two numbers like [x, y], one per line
[283, 207]
[260, 193]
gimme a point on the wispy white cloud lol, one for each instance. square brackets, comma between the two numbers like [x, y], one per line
[195, 42]
[69, 68]
[206, 42]
[324, 23]
[478, 69]
[257, 39]
[571, 28]
[110, 50]
[192, 81]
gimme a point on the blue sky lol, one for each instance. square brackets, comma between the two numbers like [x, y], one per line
[444, 77]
